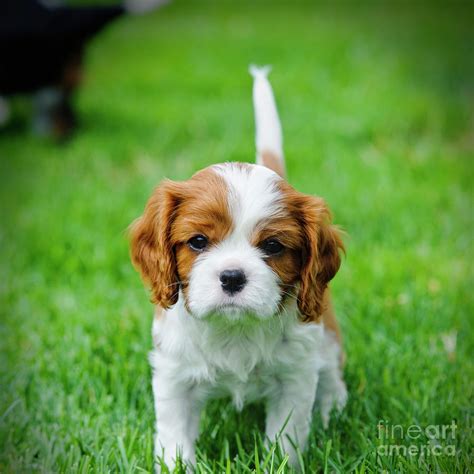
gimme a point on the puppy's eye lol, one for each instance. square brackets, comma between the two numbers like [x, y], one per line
[272, 247]
[198, 243]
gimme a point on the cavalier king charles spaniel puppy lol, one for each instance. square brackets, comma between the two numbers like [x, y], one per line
[238, 263]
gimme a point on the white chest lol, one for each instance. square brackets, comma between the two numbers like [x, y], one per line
[246, 363]
[258, 384]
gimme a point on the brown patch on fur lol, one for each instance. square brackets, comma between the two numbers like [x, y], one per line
[311, 255]
[176, 212]
[330, 323]
[329, 318]
[272, 161]
[286, 265]
[320, 246]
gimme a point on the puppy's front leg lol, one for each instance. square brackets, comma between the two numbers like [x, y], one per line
[289, 412]
[177, 421]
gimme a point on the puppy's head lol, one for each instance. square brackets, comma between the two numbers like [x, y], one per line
[236, 240]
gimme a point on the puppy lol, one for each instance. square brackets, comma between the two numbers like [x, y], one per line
[238, 263]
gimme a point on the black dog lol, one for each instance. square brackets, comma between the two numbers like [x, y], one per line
[41, 50]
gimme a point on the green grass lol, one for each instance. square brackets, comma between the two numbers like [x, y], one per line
[377, 107]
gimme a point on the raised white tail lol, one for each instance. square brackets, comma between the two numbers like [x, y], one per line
[268, 135]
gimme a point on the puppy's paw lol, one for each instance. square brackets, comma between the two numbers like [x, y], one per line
[329, 399]
[168, 464]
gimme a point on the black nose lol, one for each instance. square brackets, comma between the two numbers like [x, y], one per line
[232, 281]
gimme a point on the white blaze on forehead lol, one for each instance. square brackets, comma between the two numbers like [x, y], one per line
[253, 194]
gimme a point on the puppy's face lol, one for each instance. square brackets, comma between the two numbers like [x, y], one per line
[236, 240]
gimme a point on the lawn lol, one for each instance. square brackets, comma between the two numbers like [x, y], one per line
[377, 107]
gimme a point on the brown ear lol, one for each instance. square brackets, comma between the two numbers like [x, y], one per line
[150, 247]
[321, 259]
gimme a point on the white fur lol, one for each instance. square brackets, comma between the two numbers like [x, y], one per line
[246, 346]
[253, 194]
[268, 134]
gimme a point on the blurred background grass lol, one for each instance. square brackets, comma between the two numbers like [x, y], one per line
[376, 102]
